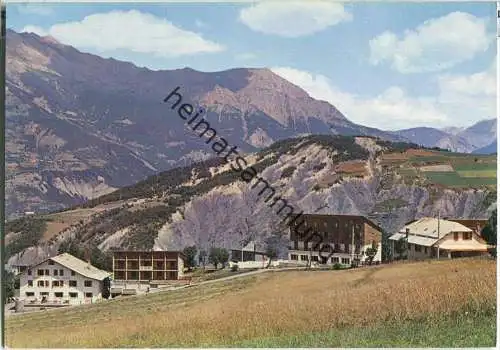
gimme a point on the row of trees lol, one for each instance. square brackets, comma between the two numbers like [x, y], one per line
[220, 256]
[10, 283]
[216, 256]
[489, 232]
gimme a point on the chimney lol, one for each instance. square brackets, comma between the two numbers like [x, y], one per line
[87, 255]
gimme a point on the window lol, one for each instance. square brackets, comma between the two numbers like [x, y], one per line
[72, 283]
[29, 272]
[88, 295]
[30, 294]
[39, 272]
[73, 295]
[55, 272]
[87, 283]
[425, 250]
[58, 294]
[346, 261]
[46, 283]
[51, 262]
[30, 283]
[418, 248]
[47, 272]
[455, 236]
[61, 272]
[335, 259]
[40, 283]
[294, 257]
[44, 294]
[304, 257]
[314, 258]
[73, 273]
[467, 235]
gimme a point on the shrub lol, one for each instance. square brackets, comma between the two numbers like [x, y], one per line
[31, 230]
[288, 172]
[234, 268]
[319, 167]
[337, 266]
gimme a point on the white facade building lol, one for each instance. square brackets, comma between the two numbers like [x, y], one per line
[62, 279]
[431, 238]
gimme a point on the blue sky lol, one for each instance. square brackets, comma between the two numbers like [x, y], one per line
[386, 65]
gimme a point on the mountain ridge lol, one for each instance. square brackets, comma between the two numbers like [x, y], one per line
[78, 115]
[467, 140]
[74, 118]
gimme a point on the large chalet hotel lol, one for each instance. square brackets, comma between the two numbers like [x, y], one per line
[346, 238]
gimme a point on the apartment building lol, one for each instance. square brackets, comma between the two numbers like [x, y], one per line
[346, 237]
[147, 266]
[250, 252]
[421, 239]
[63, 279]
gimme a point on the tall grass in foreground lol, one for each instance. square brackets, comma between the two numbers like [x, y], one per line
[280, 305]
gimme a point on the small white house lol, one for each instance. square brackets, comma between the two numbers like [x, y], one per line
[431, 238]
[62, 279]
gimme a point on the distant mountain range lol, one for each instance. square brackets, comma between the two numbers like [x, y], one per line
[80, 126]
[479, 138]
[490, 149]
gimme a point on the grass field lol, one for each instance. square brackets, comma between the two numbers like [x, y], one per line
[478, 173]
[453, 179]
[445, 303]
[446, 168]
[464, 166]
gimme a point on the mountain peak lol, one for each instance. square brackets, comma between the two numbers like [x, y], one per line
[49, 39]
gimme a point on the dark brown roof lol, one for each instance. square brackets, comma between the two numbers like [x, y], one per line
[150, 251]
[345, 217]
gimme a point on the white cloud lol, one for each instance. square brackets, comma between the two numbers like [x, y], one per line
[435, 45]
[293, 18]
[393, 108]
[477, 84]
[131, 30]
[469, 97]
[31, 9]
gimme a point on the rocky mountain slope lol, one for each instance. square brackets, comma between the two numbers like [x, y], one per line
[468, 140]
[211, 204]
[79, 126]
